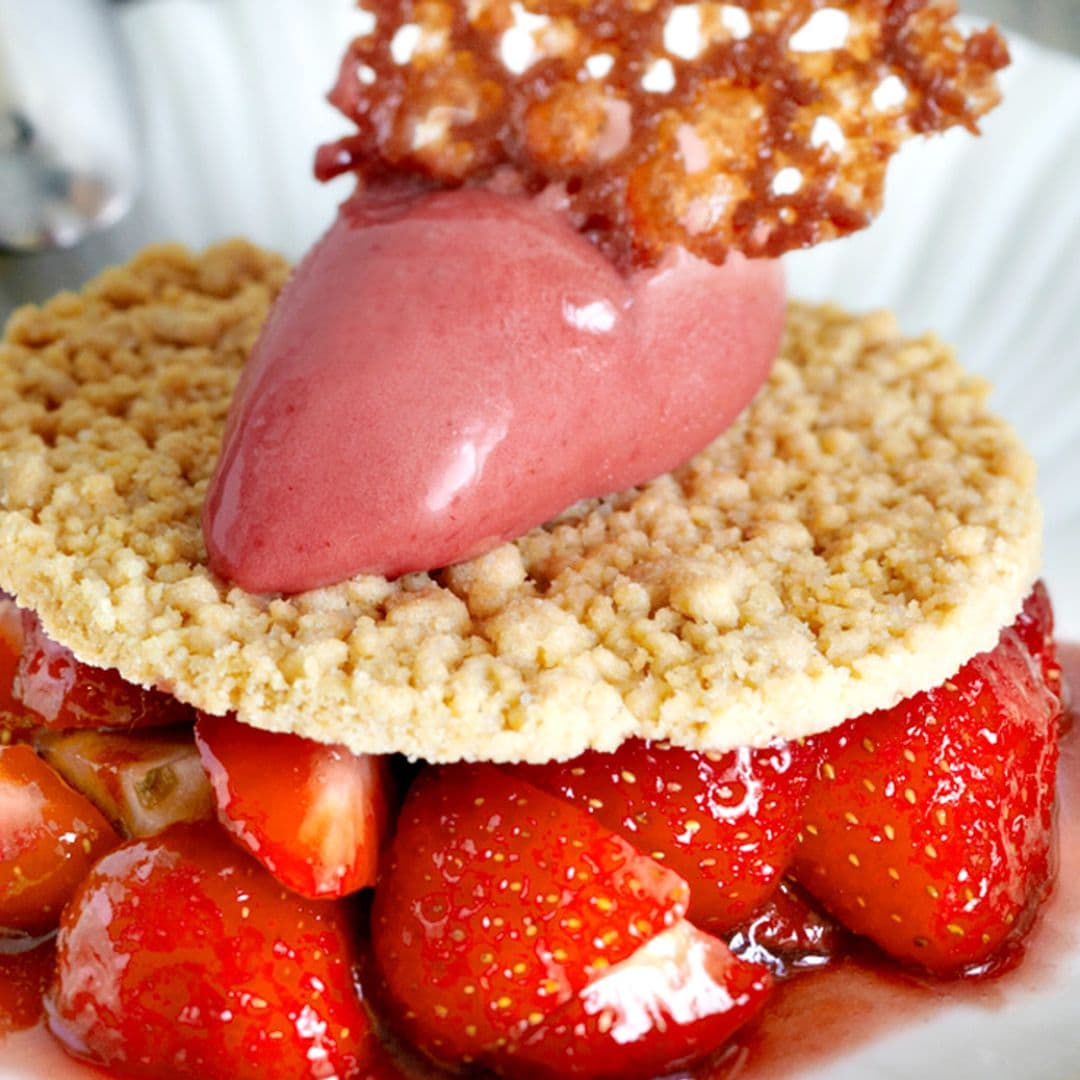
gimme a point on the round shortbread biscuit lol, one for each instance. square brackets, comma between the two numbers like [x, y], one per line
[862, 530]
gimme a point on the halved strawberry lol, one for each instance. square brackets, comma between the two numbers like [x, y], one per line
[929, 826]
[726, 822]
[142, 781]
[675, 1000]
[49, 838]
[498, 904]
[182, 957]
[316, 816]
[63, 692]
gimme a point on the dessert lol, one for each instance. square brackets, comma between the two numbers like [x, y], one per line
[691, 733]
[167, 296]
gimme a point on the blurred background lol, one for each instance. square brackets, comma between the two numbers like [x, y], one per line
[1053, 22]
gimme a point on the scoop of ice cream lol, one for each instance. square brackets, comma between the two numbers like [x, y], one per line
[445, 371]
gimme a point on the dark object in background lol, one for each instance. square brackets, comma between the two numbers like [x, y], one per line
[69, 153]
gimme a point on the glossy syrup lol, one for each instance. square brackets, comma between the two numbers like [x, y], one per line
[810, 1019]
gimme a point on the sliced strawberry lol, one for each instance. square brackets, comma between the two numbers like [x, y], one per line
[675, 1000]
[142, 781]
[929, 826]
[49, 838]
[498, 904]
[63, 692]
[726, 822]
[316, 816]
[180, 956]
[787, 934]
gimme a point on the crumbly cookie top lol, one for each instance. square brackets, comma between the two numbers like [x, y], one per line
[860, 532]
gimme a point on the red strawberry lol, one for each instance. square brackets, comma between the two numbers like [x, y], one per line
[726, 822]
[13, 714]
[672, 1002]
[25, 975]
[1035, 625]
[49, 838]
[142, 781]
[928, 829]
[63, 692]
[500, 904]
[316, 816]
[180, 956]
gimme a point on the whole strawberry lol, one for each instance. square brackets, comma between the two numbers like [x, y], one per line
[928, 828]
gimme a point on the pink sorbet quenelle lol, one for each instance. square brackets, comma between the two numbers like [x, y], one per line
[447, 370]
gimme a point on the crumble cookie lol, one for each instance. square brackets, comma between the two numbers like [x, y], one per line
[863, 529]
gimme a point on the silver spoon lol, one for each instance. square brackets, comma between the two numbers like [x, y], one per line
[68, 135]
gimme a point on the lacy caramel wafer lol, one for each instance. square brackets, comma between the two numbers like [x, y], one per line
[761, 126]
[863, 529]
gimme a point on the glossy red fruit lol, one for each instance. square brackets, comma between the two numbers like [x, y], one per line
[316, 816]
[25, 975]
[13, 713]
[49, 838]
[182, 957]
[677, 999]
[928, 828]
[1035, 625]
[498, 904]
[726, 822]
[63, 692]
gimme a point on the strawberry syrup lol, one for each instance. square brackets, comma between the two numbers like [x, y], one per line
[811, 1018]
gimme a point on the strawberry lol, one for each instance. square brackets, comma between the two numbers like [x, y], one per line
[181, 956]
[672, 1002]
[62, 692]
[1035, 625]
[499, 903]
[928, 828]
[49, 838]
[142, 781]
[316, 816]
[726, 822]
[25, 974]
[13, 713]
[500, 906]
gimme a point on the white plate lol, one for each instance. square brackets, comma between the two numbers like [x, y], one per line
[979, 242]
